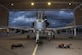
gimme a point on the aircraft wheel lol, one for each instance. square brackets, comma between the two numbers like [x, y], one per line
[27, 36]
[53, 36]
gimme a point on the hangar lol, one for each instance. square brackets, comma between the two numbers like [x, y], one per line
[48, 48]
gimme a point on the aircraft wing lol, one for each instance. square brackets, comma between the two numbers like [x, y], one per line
[23, 28]
[60, 28]
[1, 27]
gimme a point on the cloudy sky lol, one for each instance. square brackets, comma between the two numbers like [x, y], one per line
[56, 18]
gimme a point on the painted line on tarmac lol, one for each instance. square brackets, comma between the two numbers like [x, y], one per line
[35, 50]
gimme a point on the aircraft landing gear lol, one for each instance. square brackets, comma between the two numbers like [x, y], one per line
[28, 36]
[53, 37]
[40, 43]
[37, 36]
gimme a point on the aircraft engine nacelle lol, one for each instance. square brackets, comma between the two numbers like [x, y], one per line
[33, 24]
[47, 23]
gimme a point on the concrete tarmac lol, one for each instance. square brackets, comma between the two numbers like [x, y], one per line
[51, 48]
[7, 41]
[48, 48]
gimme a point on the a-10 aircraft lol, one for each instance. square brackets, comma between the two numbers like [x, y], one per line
[39, 25]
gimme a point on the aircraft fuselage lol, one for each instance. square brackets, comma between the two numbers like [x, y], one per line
[40, 25]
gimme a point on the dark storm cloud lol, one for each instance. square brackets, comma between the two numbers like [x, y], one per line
[60, 17]
[27, 14]
[22, 17]
[55, 18]
[56, 23]
[60, 14]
